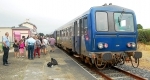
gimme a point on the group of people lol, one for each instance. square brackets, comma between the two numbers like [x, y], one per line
[29, 47]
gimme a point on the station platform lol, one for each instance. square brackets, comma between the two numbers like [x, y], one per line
[25, 69]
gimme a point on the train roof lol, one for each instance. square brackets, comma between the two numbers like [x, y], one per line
[109, 8]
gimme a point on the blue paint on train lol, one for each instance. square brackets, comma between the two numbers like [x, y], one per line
[114, 37]
[103, 34]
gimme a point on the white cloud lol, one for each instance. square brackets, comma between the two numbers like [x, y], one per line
[48, 12]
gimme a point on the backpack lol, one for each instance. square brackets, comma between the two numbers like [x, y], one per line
[49, 64]
[38, 43]
[53, 61]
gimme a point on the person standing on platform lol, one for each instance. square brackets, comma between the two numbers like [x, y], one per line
[6, 46]
[21, 48]
[31, 43]
[41, 48]
[16, 48]
[37, 47]
[45, 44]
[52, 44]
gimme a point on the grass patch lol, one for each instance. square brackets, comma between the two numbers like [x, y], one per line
[143, 47]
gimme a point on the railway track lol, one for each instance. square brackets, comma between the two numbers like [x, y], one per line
[112, 73]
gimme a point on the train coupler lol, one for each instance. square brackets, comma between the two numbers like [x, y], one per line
[137, 55]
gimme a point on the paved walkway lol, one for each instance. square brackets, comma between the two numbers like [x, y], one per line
[24, 69]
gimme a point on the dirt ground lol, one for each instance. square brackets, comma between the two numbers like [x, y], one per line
[145, 60]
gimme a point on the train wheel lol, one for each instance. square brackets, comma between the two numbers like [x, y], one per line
[114, 62]
[102, 64]
[109, 64]
[122, 59]
[134, 62]
[82, 58]
[91, 62]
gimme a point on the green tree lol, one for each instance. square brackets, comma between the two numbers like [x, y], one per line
[41, 34]
[140, 26]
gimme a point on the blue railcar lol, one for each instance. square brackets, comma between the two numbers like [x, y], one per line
[102, 35]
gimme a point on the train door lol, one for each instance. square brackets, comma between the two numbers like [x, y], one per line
[77, 29]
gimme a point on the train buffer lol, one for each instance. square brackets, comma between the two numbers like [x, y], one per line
[24, 69]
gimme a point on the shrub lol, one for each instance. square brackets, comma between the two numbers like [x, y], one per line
[144, 35]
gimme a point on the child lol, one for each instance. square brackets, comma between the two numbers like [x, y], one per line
[21, 48]
[16, 48]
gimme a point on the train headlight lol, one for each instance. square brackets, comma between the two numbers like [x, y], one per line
[106, 45]
[133, 45]
[129, 44]
[100, 45]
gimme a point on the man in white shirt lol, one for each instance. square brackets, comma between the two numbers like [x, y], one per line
[6, 46]
[31, 43]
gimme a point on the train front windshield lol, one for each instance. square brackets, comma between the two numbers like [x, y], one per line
[124, 22]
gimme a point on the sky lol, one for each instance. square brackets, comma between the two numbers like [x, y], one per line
[48, 15]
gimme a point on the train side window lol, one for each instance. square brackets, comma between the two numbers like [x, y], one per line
[80, 27]
[63, 33]
[66, 31]
[60, 32]
[57, 33]
[85, 25]
[101, 21]
[72, 31]
[76, 28]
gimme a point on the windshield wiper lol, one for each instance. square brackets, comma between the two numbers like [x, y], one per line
[120, 17]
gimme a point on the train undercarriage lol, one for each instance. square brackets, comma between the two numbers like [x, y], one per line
[104, 60]
[108, 59]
